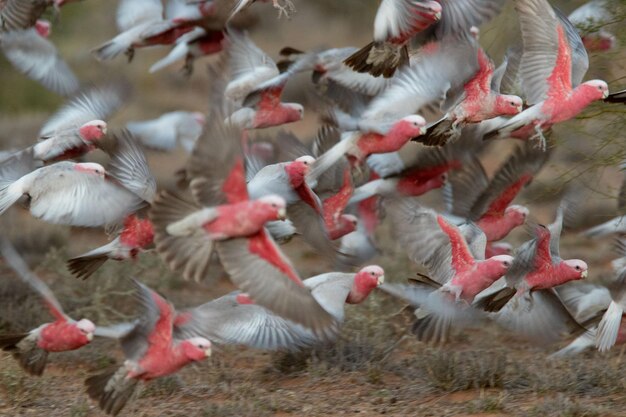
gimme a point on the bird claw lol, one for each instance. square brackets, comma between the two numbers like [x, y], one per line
[130, 53]
[286, 8]
[538, 136]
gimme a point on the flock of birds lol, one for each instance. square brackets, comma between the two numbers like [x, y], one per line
[239, 197]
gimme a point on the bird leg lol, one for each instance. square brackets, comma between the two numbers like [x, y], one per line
[286, 8]
[539, 136]
[130, 53]
[188, 68]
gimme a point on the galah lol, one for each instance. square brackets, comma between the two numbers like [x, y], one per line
[396, 22]
[610, 330]
[141, 23]
[425, 173]
[590, 19]
[469, 193]
[478, 102]
[337, 223]
[537, 266]
[137, 234]
[358, 145]
[151, 350]
[235, 319]
[223, 216]
[191, 46]
[553, 64]
[457, 266]
[84, 194]
[31, 348]
[170, 129]
[77, 127]
[437, 69]
[32, 54]
[251, 69]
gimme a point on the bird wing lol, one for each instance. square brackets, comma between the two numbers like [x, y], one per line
[331, 291]
[438, 68]
[16, 262]
[419, 230]
[154, 327]
[545, 67]
[37, 58]
[21, 14]
[458, 16]
[63, 195]
[580, 59]
[250, 66]
[132, 13]
[463, 187]
[226, 321]
[154, 134]
[93, 104]
[216, 165]
[128, 165]
[258, 267]
[397, 17]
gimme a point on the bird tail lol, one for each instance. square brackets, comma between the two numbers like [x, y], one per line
[83, 266]
[109, 50]
[9, 194]
[430, 327]
[378, 58]
[437, 133]
[578, 345]
[25, 350]
[112, 389]
[179, 52]
[493, 303]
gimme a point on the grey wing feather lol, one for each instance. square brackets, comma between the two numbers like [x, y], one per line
[135, 342]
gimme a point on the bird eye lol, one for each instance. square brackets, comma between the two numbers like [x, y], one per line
[577, 268]
[274, 205]
[512, 103]
[506, 263]
[372, 273]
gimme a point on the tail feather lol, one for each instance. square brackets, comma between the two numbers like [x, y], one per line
[378, 58]
[616, 225]
[116, 46]
[112, 389]
[84, 266]
[431, 328]
[496, 301]
[437, 134]
[9, 194]
[608, 328]
[179, 52]
[24, 349]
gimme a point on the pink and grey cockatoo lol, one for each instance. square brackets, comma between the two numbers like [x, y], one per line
[552, 66]
[170, 129]
[612, 327]
[469, 194]
[31, 348]
[32, 54]
[191, 46]
[84, 194]
[457, 264]
[137, 234]
[16, 15]
[399, 21]
[257, 85]
[151, 350]
[479, 101]
[537, 266]
[234, 319]
[590, 19]
[141, 23]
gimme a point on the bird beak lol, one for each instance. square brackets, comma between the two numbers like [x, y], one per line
[438, 15]
[381, 280]
[207, 352]
[520, 108]
[423, 130]
[89, 336]
[605, 94]
[104, 130]
[282, 214]
[584, 274]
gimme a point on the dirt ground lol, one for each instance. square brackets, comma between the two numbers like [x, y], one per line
[376, 368]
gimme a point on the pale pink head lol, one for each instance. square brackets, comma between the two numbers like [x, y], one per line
[275, 206]
[93, 130]
[410, 126]
[86, 327]
[508, 105]
[196, 348]
[574, 269]
[595, 89]
[517, 214]
[293, 112]
[43, 28]
[365, 281]
[499, 265]
[90, 168]
[297, 170]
